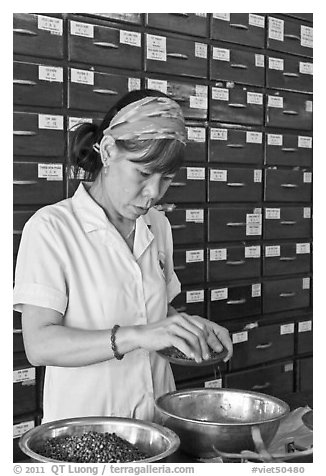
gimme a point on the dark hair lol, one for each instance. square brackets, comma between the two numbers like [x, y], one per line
[161, 155]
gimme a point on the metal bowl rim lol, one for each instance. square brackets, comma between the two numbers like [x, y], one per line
[170, 435]
[276, 400]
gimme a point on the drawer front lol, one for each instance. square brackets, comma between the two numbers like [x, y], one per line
[288, 185]
[288, 149]
[38, 135]
[289, 110]
[24, 389]
[262, 344]
[289, 72]
[274, 379]
[189, 265]
[188, 225]
[234, 302]
[189, 23]
[240, 105]
[285, 294]
[95, 91]
[188, 185]
[37, 84]
[286, 258]
[106, 46]
[233, 262]
[22, 425]
[305, 374]
[32, 188]
[240, 28]
[287, 222]
[20, 217]
[196, 150]
[304, 336]
[301, 16]
[234, 224]
[235, 145]
[290, 36]
[241, 66]
[234, 184]
[127, 17]
[191, 301]
[38, 35]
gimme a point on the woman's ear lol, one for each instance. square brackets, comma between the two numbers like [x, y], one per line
[107, 147]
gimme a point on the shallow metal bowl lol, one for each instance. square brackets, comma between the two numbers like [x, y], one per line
[217, 418]
[150, 438]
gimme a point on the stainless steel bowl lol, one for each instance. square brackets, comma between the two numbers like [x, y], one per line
[220, 418]
[149, 438]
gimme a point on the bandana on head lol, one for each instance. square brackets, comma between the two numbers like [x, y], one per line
[148, 118]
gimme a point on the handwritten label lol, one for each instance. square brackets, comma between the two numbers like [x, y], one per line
[74, 121]
[272, 251]
[53, 25]
[158, 85]
[254, 98]
[305, 326]
[195, 173]
[305, 142]
[239, 337]
[200, 50]
[198, 102]
[306, 36]
[46, 121]
[259, 61]
[201, 90]
[134, 84]
[252, 252]
[221, 54]
[220, 94]
[256, 290]
[302, 248]
[219, 294]
[305, 68]
[253, 224]
[306, 212]
[256, 20]
[24, 375]
[276, 63]
[50, 73]
[307, 177]
[156, 47]
[287, 329]
[131, 38]
[275, 29]
[81, 76]
[195, 296]
[219, 254]
[50, 172]
[275, 139]
[196, 134]
[254, 137]
[308, 107]
[218, 175]
[81, 29]
[194, 256]
[257, 175]
[272, 213]
[275, 101]
[305, 283]
[222, 16]
[217, 383]
[22, 428]
[219, 134]
[195, 216]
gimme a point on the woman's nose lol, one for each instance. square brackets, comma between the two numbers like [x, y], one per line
[153, 187]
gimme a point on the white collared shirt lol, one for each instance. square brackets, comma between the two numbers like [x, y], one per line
[73, 260]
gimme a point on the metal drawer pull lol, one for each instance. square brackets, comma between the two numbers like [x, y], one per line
[178, 227]
[286, 295]
[105, 44]
[25, 133]
[239, 66]
[186, 15]
[291, 113]
[292, 37]
[17, 232]
[110, 92]
[288, 258]
[24, 82]
[23, 31]
[177, 56]
[237, 105]
[289, 185]
[235, 146]
[25, 182]
[181, 309]
[288, 222]
[264, 346]
[178, 184]
[291, 75]
[235, 184]
[235, 263]
[236, 301]
[236, 224]
[289, 149]
[181, 266]
[261, 387]
[17, 331]
[239, 26]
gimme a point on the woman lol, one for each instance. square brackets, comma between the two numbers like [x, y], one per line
[94, 275]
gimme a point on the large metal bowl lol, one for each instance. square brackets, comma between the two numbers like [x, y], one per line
[149, 438]
[212, 418]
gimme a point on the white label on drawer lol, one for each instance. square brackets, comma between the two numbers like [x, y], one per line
[306, 36]
[194, 256]
[254, 137]
[305, 142]
[276, 63]
[305, 326]
[308, 107]
[158, 85]
[78, 173]
[74, 121]
[218, 175]
[306, 212]
[252, 252]
[195, 173]
[302, 248]
[288, 367]
[156, 47]
[274, 139]
[218, 254]
[272, 213]
[307, 177]
[50, 122]
[305, 68]
[53, 25]
[257, 210]
[195, 296]
[221, 54]
[201, 15]
[219, 294]
[198, 102]
[256, 290]
[257, 175]
[201, 90]
[253, 224]
[50, 171]
[195, 216]
[23, 375]
[222, 16]
[220, 94]
[81, 76]
[275, 101]
[259, 61]
[217, 383]
[256, 20]
[21, 428]
[219, 134]
[50, 73]
[239, 337]
[132, 38]
[254, 98]
[271, 251]
[196, 134]
[305, 283]
[200, 50]
[287, 329]
[275, 29]
[81, 29]
[134, 84]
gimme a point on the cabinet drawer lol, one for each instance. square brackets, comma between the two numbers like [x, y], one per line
[38, 35]
[287, 222]
[233, 262]
[94, 44]
[97, 91]
[240, 28]
[20, 426]
[237, 146]
[304, 336]
[262, 344]
[240, 65]
[18, 342]
[288, 185]
[30, 188]
[288, 149]
[229, 184]
[234, 301]
[239, 105]
[188, 185]
[276, 379]
[196, 150]
[301, 16]
[191, 301]
[126, 17]
[305, 374]
[290, 36]
[289, 72]
[189, 265]
[285, 294]
[24, 388]
[286, 258]
[38, 135]
[189, 23]
[234, 223]
[188, 225]
[289, 110]
[37, 84]
[20, 217]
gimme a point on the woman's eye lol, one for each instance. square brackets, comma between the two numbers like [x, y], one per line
[167, 178]
[144, 174]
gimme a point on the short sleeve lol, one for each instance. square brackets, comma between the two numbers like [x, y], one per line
[39, 276]
[172, 281]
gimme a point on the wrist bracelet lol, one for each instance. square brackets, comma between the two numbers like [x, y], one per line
[116, 354]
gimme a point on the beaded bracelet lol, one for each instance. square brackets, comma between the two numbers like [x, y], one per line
[116, 354]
